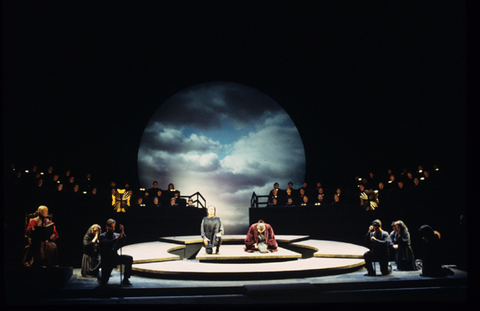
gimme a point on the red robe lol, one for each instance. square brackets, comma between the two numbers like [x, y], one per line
[43, 253]
[252, 238]
[33, 223]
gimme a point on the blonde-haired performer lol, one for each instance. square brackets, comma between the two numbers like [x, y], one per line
[43, 250]
[91, 252]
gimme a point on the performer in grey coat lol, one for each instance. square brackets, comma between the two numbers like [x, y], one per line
[211, 231]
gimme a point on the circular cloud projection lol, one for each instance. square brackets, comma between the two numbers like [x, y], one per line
[224, 140]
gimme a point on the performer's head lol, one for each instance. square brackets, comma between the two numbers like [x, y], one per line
[94, 229]
[111, 225]
[401, 227]
[42, 211]
[261, 227]
[211, 211]
[377, 225]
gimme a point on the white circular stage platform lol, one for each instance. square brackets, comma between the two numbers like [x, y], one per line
[297, 256]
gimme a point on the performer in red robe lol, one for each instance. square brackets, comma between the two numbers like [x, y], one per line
[260, 238]
[43, 251]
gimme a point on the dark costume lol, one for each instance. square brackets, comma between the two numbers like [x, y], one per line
[266, 238]
[42, 251]
[91, 256]
[209, 228]
[379, 251]
[404, 257]
[431, 253]
[110, 258]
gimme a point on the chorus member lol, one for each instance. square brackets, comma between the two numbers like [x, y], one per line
[275, 188]
[153, 192]
[173, 202]
[155, 203]
[288, 194]
[290, 202]
[319, 200]
[299, 199]
[336, 199]
[272, 196]
[305, 201]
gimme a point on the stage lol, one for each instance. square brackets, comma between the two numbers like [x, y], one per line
[176, 270]
[297, 256]
[352, 287]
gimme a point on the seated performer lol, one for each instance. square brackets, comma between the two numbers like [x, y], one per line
[91, 252]
[305, 201]
[110, 243]
[211, 230]
[289, 203]
[41, 234]
[260, 237]
[319, 200]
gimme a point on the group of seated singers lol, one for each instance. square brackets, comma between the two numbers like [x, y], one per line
[292, 197]
[156, 197]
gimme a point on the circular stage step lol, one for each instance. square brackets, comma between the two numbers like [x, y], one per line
[185, 258]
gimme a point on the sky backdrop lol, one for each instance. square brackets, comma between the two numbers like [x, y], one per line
[224, 140]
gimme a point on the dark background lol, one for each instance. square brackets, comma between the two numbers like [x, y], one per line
[370, 85]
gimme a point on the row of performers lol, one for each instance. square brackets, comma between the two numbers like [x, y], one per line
[100, 249]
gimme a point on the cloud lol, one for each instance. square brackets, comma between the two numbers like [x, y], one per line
[225, 141]
[160, 137]
[208, 105]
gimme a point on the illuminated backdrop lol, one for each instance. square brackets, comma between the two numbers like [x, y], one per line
[225, 140]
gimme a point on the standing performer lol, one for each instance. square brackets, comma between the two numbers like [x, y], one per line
[91, 252]
[260, 237]
[211, 230]
[110, 243]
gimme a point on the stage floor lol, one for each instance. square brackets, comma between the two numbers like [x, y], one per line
[164, 274]
[184, 257]
[352, 287]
